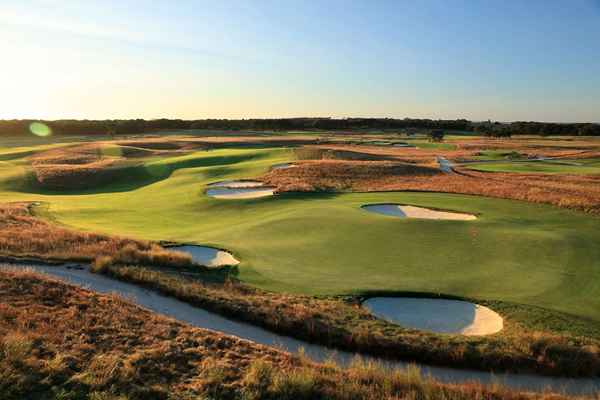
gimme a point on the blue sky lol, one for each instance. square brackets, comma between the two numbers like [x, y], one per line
[509, 60]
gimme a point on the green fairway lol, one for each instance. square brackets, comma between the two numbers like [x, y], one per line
[424, 144]
[323, 243]
[585, 166]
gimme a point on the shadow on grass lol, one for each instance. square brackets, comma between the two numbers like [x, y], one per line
[128, 178]
[316, 195]
[16, 155]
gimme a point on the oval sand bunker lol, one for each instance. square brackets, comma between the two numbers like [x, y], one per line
[240, 193]
[239, 189]
[241, 183]
[208, 256]
[437, 315]
[282, 166]
[402, 211]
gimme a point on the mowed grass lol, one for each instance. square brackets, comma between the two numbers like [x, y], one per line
[584, 166]
[324, 243]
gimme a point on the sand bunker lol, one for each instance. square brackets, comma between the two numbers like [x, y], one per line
[208, 256]
[282, 166]
[437, 315]
[403, 211]
[240, 183]
[239, 189]
[241, 193]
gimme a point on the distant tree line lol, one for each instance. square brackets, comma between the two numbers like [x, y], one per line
[136, 126]
[497, 129]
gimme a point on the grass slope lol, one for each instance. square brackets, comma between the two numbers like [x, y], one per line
[324, 243]
[587, 167]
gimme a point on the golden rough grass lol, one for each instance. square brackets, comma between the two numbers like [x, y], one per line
[344, 175]
[24, 235]
[78, 167]
[59, 341]
[348, 326]
[568, 191]
[52, 334]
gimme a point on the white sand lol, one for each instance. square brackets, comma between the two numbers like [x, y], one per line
[437, 315]
[236, 184]
[396, 210]
[208, 256]
[282, 166]
[240, 193]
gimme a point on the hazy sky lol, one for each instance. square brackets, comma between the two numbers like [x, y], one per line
[504, 60]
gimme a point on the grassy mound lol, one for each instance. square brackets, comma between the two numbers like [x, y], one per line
[23, 235]
[81, 167]
[343, 175]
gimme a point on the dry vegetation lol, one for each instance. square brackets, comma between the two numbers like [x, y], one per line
[81, 167]
[62, 342]
[347, 326]
[23, 235]
[465, 150]
[89, 166]
[569, 191]
[345, 175]
[548, 147]
[376, 153]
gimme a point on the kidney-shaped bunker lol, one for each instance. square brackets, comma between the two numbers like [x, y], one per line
[208, 256]
[437, 315]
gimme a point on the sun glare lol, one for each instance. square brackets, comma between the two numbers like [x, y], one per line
[40, 129]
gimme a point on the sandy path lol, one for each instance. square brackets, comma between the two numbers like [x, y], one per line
[445, 165]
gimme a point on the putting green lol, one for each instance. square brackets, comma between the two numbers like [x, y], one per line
[323, 243]
[585, 166]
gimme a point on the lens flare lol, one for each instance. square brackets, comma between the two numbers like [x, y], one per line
[40, 129]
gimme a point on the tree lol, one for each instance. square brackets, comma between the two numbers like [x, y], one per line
[436, 135]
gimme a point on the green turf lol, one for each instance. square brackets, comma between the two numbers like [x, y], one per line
[498, 155]
[322, 243]
[423, 144]
[586, 167]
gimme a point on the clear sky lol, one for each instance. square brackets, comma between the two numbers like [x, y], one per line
[500, 60]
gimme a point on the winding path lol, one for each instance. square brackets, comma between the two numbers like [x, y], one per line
[198, 317]
[445, 165]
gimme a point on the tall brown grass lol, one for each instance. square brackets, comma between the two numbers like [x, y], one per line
[568, 191]
[24, 235]
[62, 342]
[345, 326]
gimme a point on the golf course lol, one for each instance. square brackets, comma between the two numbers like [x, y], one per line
[324, 243]
[308, 200]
